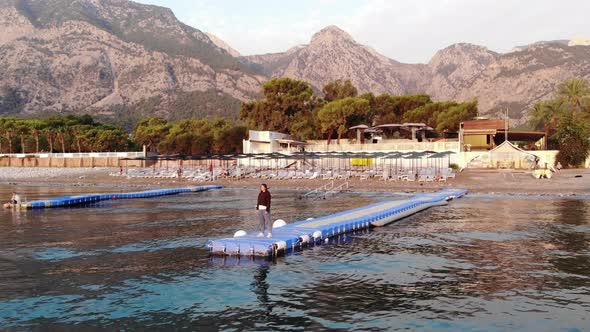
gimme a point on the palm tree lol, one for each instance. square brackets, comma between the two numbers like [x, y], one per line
[546, 115]
[8, 126]
[36, 127]
[50, 134]
[62, 131]
[79, 131]
[2, 121]
[574, 91]
[22, 129]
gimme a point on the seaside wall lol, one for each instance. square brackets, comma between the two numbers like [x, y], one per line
[546, 156]
[70, 162]
[481, 159]
[105, 162]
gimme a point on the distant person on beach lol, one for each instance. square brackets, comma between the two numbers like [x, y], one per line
[263, 207]
[179, 172]
[15, 199]
[121, 171]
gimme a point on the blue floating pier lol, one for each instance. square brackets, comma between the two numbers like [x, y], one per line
[65, 201]
[309, 232]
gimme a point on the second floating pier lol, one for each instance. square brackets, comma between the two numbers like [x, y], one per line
[65, 201]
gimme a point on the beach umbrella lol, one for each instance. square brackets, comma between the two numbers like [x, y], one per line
[377, 155]
[346, 157]
[340, 156]
[387, 158]
[261, 157]
[440, 156]
[391, 156]
[412, 157]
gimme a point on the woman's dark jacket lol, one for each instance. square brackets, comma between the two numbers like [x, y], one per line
[264, 199]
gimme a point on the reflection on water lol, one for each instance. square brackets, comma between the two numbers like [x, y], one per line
[482, 263]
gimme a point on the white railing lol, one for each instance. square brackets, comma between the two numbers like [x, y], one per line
[326, 190]
[318, 192]
[387, 145]
[337, 189]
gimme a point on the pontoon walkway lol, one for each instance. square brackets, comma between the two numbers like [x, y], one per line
[65, 201]
[293, 236]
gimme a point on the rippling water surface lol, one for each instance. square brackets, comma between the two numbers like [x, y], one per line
[482, 263]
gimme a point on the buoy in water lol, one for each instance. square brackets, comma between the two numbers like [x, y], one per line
[240, 233]
[279, 223]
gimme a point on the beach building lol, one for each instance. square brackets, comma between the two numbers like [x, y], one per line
[486, 134]
[270, 142]
[490, 143]
[368, 139]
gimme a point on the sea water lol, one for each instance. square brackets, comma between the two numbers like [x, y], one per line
[483, 263]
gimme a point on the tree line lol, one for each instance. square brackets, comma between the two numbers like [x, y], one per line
[287, 105]
[71, 133]
[565, 118]
[190, 136]
[291, 106]
[82, 133]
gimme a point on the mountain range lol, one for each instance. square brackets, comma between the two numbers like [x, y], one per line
[92, 55]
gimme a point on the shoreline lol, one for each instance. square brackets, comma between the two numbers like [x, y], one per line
[481, 181]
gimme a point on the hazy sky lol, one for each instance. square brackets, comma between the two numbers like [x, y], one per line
[405, 30]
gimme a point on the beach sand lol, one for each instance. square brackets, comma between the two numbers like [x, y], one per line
[566, 182]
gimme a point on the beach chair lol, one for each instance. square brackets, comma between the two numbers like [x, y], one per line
[386, 175]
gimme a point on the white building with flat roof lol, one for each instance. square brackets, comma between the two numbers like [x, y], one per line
[269, 142]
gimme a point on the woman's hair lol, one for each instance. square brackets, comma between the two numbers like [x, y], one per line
[265, 186]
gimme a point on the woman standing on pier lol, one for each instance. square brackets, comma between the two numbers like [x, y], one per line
[263, 207]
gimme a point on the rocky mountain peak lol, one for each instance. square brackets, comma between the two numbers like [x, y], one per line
[471, 58]
[63, 55]
[460, 51]
[330, 34]
[333, 54]
[223, 45]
